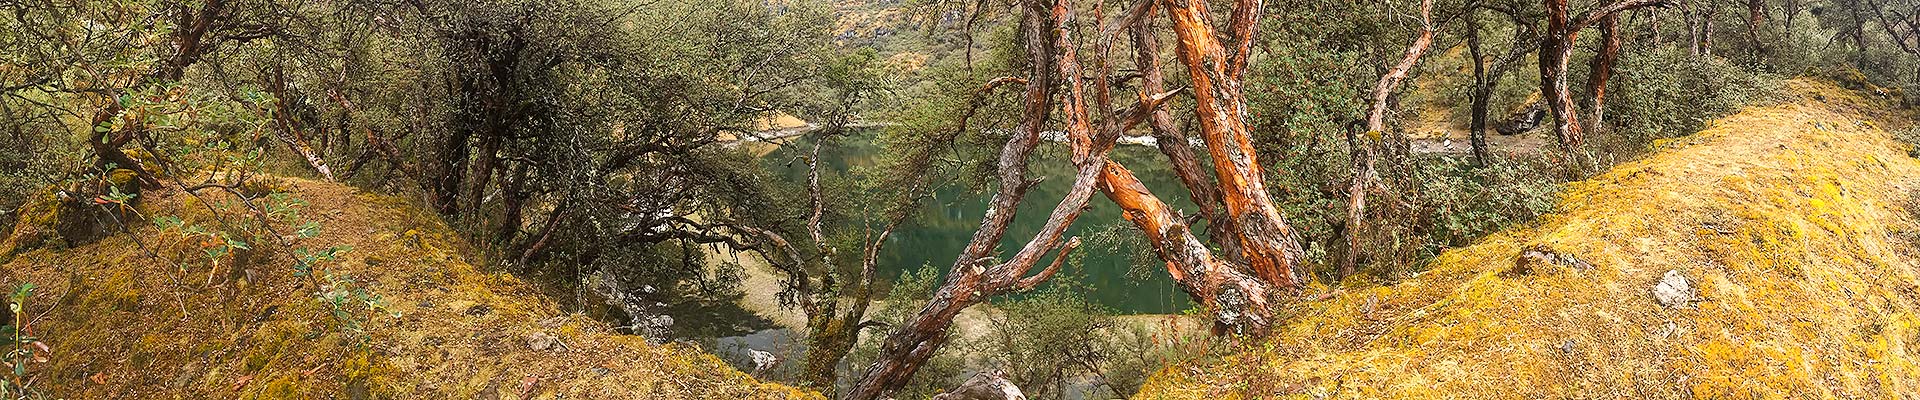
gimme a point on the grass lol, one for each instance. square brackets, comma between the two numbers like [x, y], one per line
[126, 325]
[1792, 221]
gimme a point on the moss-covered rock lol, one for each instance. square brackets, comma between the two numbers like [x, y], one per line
[62, 217]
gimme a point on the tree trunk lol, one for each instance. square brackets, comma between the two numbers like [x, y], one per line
[976, 279]
[288, 132]
[1487, 78]
[1706, 28]
[1555, 49]
[916, 341]
[1482, 91]
[1601, 69]
[1756, 15]
[1367, 148]
[1271, 247]
[1176, 146]
[1239, 302]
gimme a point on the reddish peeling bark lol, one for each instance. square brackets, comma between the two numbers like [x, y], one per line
[1239, 302]
[1555, 51]
[976, 277]
[1175, 145]
[1271, 248]
[1601, 69]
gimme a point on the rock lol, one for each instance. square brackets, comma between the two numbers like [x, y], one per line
[541, 341]
[1540, 259]
[762, 361]
[1673, 290]
[986, 385]
[1522, 121]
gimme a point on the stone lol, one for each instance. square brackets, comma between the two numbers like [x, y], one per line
[1541, 260]
[986, 385]
[762, 361]
[541, 341]
[1673, 290]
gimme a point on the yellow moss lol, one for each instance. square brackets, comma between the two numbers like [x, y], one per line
[1780, 217]
[129, 322]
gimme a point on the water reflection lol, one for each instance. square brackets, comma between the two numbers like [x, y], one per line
[949, 220]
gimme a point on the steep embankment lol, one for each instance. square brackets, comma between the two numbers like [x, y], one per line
[122, 324]
[1793, 225]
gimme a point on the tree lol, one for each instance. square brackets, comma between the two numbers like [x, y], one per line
[1367, 149]
[1486, 78]
[1556, 48]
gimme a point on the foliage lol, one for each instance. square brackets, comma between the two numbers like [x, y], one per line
[22, 348]
[1666, 93]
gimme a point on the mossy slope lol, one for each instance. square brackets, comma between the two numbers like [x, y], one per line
[1792, 221]
[125, 325]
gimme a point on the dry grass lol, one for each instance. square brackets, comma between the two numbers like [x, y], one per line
[1791, 221]
[121, 328]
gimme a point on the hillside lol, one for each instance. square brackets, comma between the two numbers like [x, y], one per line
[1792, 225]
[121, 324]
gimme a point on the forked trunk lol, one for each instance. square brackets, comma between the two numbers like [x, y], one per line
[1271, 247]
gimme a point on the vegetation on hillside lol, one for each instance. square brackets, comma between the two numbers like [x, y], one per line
[529, 198]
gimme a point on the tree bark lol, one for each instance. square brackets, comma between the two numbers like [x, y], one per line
[1487, 79]
[288, 132]
[1601, 69]
[1239, 302]
[1756, 15]
[1176, 146]
[1555, 51]
[1366, 149]
[1271, 247]
[1482, 92]
[974, 280]
[916, 341]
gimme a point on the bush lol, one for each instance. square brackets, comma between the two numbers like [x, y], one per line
[1667, 93]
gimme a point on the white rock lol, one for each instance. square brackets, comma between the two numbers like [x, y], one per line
[762, 360]
[1673, 290]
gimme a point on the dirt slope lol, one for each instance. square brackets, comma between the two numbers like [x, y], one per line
[1792, 224]
[121, 327]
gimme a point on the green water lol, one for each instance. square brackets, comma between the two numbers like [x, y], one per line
[1108, 271]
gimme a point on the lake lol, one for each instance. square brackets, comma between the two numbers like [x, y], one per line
[1108, 270]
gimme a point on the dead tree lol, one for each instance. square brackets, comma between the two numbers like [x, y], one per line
[1556, 48]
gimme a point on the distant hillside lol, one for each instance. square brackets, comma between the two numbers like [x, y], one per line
[122, 324]
[1781, 243]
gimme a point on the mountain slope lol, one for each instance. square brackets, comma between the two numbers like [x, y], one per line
[1793, 226]
[123, 324]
